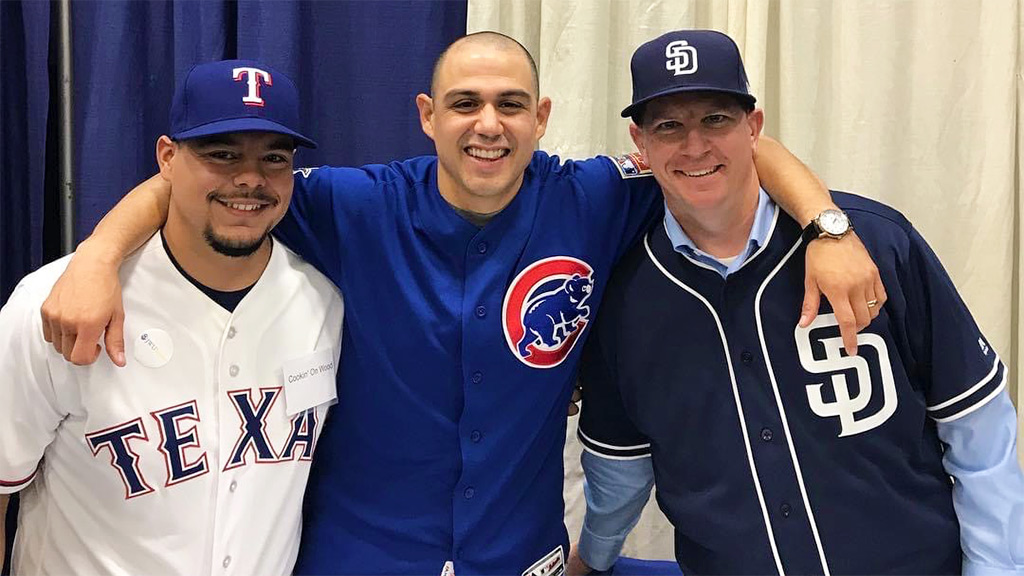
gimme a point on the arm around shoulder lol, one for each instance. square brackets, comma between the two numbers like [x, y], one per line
[86, 300]
[840, 269]
[789, 182]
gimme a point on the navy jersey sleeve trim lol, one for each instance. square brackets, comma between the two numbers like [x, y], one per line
[613, 452]
[972, 398]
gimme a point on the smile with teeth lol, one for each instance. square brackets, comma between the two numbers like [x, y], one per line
[244, 207]
[702, 173]
[487, 154]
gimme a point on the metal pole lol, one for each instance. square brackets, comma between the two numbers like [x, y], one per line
[67, 194]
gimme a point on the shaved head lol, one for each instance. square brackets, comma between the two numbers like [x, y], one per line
[494, 41]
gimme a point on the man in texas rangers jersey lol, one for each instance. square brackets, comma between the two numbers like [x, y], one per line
[194, 458]
[772, 450]
[470, 279]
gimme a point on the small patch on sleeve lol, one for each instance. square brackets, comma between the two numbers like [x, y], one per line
[632, 165]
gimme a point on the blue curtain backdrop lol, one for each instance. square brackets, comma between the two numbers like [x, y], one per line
[358, 66]
[24, 109]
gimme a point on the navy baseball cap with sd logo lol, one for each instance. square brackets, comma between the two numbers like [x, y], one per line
[687, 61]
[236, 96]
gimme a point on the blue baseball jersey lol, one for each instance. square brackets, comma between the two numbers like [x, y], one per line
[461, 346]
[773, 451]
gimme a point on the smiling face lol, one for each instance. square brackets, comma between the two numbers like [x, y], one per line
[228, 190]
[700, 146]
[485, 120]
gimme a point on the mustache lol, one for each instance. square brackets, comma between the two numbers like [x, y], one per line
[256, 194]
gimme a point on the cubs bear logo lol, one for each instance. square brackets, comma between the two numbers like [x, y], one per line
[545, 310]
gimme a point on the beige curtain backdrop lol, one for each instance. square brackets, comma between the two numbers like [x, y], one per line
[911, 102]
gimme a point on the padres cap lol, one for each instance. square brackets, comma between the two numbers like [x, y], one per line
[235, 96]
[687, 61]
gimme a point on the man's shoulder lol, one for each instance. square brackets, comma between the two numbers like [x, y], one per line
[35, 286]
[309, 276]
[623, 166]
[409, 172]
[870, 215]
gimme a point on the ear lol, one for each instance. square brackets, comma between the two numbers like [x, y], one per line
[637, 134]
[755, 120]
[425, 104]
[543, 112]
[165, 151]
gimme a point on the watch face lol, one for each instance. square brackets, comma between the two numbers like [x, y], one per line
[834, 222]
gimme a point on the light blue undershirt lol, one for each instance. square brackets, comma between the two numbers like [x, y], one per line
[981, 454]
[758, 232]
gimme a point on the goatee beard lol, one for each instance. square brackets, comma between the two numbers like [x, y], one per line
[233, 249]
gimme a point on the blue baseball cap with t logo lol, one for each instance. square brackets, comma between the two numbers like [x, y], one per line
[687, 61]
[236, 96]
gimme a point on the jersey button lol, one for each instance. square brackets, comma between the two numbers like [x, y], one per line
[233, 370]
[746, 357]
[786, 510]
[233, 486]
[477, 377]
[469, 493]
[481, 311]
[227, 561]
[475, 436]
[482, 247]
[231, 332]
[766, 434]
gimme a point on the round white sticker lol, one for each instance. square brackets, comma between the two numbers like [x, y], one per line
[153, 348]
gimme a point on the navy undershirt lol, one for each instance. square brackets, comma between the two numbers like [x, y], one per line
[227, 300]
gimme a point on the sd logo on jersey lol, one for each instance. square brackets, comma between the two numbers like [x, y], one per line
[545, 310]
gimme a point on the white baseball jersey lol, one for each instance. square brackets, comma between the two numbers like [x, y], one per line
[191, 460]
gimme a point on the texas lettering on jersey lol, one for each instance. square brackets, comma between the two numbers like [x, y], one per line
[178, 433]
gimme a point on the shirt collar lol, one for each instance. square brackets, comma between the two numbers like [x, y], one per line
[758, 233]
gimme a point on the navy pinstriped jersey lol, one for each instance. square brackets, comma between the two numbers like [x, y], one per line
[773, 451]
[461, 346]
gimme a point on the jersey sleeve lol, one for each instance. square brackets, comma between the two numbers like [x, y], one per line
[605, 428]
[29, 408]
[960, 367]
[323, 202]
[626, 191]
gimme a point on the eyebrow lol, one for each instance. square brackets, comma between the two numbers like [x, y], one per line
[215, 140]
[474, 94]
[282, 143]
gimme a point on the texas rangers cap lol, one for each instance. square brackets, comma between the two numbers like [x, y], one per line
[235, 96]
[687, 61]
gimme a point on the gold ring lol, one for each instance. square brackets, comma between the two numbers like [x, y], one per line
[872, 303]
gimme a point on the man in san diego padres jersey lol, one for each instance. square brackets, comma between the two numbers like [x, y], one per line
[194, 458]
[774, 452]
[470, 278]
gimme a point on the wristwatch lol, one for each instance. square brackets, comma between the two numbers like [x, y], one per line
[831, 223]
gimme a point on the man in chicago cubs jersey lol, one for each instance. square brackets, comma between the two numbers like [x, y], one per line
[773, 451]
[470, 280]
[194, 458]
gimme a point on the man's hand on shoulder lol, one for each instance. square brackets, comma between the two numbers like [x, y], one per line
[842, 271]
[84, 304]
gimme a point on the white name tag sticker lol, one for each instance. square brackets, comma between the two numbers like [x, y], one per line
[310, 381]
[553, 564]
